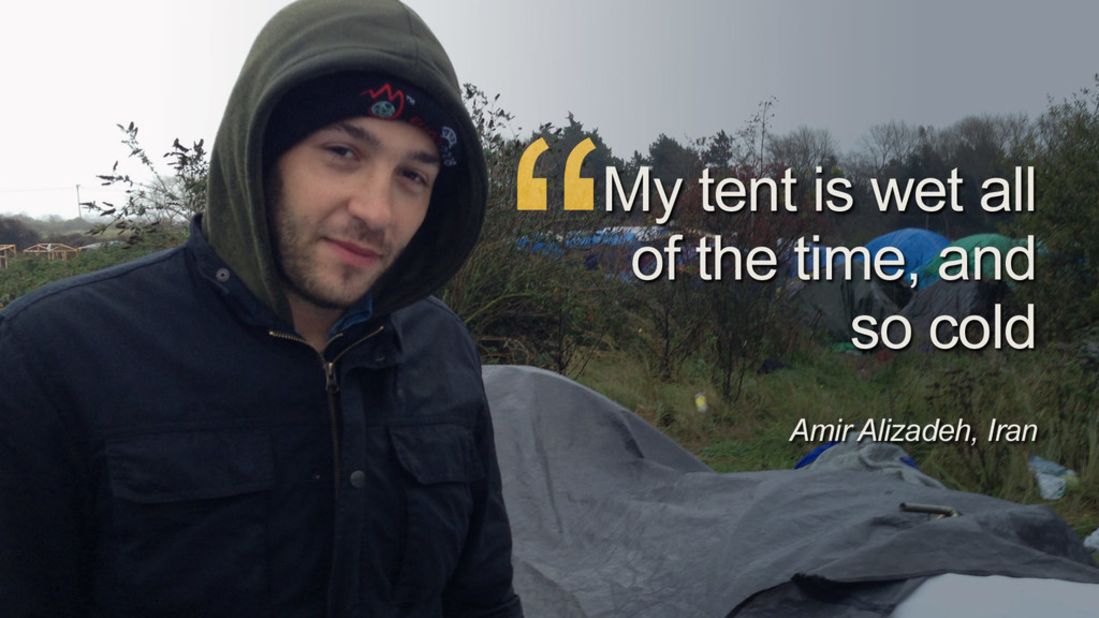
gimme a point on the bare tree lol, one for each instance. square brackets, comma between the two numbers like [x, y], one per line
[803, 149]
[887, 142]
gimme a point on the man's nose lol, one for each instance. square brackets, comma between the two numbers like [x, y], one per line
[371, 201]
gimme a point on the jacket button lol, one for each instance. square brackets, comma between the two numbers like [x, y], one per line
[358, 479]
[222, 275]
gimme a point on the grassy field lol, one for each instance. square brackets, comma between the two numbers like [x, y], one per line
[27, 273]
[1053, 389]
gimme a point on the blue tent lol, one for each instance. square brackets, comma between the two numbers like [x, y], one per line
[540, 245]
[607, 237]
[918, 246]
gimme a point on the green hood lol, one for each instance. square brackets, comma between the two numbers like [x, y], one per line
[305, 40]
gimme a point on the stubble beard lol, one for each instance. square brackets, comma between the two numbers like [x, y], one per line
[294, 253]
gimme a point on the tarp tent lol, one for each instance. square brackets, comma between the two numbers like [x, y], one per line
[611, 518]
[831, 305]
[540, 244]
[957, 299]
[919, 247]
[1001, 244]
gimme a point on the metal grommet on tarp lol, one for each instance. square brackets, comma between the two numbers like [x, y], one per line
[938, 510]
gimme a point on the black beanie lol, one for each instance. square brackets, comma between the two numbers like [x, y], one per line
[331, 98]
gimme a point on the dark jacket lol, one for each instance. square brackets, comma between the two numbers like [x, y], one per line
[169, 446]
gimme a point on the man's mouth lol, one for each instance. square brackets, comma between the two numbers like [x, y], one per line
[354, 254]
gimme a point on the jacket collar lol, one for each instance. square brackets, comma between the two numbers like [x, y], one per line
[354, 326]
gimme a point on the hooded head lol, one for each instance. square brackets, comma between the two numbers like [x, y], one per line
[310, 49]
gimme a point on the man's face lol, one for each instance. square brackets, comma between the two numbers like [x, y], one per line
[346, 201]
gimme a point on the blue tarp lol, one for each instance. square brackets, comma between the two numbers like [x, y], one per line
[919, 247]
[540, 246]
[606, 237]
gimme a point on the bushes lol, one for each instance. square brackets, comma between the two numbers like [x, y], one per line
[1066, 216]
[26, 273]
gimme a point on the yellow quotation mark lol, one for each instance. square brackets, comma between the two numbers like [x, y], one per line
[531, 191]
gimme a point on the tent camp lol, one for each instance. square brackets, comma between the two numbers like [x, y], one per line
[830, 305]
[611, 518]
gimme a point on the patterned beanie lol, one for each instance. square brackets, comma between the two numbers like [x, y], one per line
[331, 98]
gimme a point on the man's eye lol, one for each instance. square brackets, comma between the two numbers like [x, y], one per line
[415, 177]
[340, 152]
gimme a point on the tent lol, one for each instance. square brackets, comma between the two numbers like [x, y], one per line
[1001, 244]
[540, 244]
[919, 247]
[957, 299]
[831, 305]
[611, 518]
[615, 236]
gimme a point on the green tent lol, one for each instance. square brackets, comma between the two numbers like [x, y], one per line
[1001, 244]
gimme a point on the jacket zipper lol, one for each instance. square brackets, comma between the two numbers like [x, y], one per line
[332, 387]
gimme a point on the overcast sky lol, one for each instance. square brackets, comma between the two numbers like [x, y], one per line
[631, 68]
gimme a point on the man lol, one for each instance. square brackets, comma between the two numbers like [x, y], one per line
[275, 419]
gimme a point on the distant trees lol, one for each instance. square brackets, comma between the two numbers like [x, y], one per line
[16, 232]
[886, 143]
[980, 147]
[561, 141]
[804, 149]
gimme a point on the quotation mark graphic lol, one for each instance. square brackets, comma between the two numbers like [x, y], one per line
[531, 192]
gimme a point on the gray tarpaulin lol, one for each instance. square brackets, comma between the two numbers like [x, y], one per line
[611, 518]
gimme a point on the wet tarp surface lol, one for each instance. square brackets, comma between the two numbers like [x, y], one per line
[610, 518]
[831, 305]
[957, 299]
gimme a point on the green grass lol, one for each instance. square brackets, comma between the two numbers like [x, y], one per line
[25, 273]
[1049, 388]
